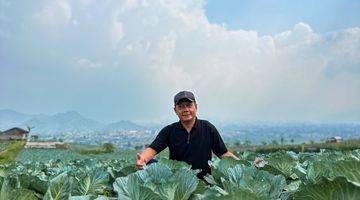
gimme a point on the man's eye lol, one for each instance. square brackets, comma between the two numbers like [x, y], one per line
[184, 106]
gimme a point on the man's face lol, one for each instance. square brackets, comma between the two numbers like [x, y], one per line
[185, 110]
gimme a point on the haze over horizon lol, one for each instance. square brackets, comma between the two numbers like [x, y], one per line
[250, 61]
[8, 113]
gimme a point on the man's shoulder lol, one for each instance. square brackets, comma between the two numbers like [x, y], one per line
[170, 126]
[205, 123]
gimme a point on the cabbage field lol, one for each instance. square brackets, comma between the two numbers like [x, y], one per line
[56, 174]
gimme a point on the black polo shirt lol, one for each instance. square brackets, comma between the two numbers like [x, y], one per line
[194, 148]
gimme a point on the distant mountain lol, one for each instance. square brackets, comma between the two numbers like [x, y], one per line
[70, 121]
[11, 118]
[123, 125]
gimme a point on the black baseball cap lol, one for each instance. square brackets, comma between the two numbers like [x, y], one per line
[184, 95]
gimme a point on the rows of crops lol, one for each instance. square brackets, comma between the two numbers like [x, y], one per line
[281, 175]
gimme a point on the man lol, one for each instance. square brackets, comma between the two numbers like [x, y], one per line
[191, 140]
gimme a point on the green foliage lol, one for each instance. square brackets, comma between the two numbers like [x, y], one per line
[89, 181]
[44, 155]
[157, 182]
[10, 151]
[59, 188]
[64, 174]
[280, 163]
[62, 146]
[326, 189]
[274, 146]
[247, 143]
[105, 148]
[246, 180]
[11, 190]
[274, 142]
[108, 147]
[282, 140]
[174, 165]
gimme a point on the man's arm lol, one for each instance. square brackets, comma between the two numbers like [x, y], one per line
[219, 146]
[144, 157]
[230, 155]
[159, 144]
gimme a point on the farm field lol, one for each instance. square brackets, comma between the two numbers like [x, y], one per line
[65, 174]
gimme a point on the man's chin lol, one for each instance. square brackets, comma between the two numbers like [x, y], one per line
[187, 119]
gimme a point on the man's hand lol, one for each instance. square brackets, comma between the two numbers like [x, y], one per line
[140, 161]
[144, 157]
[229, 154]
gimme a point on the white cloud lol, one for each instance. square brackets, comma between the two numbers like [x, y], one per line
[56, 13]
[85, 63]
[116, 31]
[236, 74]
[302, 34]
[251, 73]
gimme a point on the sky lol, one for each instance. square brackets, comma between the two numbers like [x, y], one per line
[244, 60]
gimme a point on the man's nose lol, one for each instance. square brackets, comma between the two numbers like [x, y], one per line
[186, 109]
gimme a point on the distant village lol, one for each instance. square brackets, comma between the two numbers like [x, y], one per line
[72, 128]
[122, 139]
[128, 139]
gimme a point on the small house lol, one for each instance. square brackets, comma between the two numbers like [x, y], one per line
[334, 139]
[14, 134]
[44, 145]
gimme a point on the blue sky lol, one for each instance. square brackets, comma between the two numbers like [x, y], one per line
[244, 60]
[274, 16]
